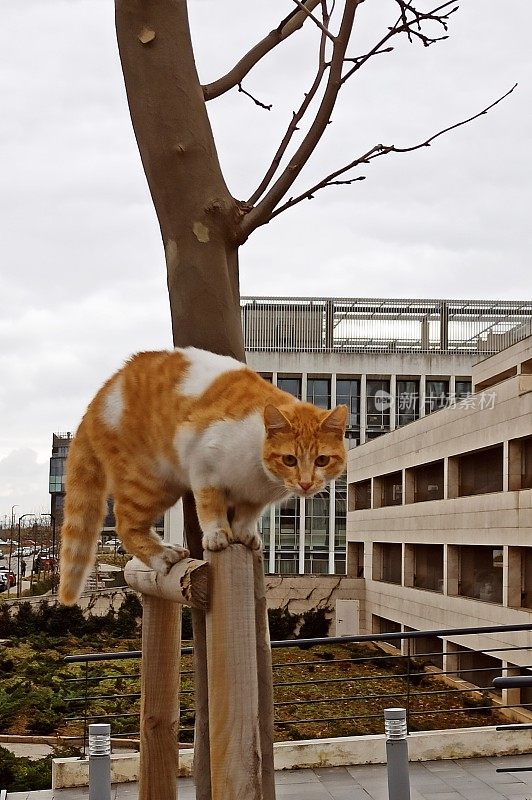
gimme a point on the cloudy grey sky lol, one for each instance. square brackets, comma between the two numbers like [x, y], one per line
[82, 279]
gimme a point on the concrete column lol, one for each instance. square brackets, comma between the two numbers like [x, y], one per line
[408, 564]
[393, 397]
[332, 524]
[363, 408]
[452, 388]
[409, 486]
[511, 697]
[173, 524]
[513, 467]
[451, 477]
[422, 393]
[273, 539]
[505, 466]
[451, 570]
[332, 496]
[301, 568]
[451, 657]
[511, 577]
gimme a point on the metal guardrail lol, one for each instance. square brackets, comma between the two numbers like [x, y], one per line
[381, 325]
[338, 695]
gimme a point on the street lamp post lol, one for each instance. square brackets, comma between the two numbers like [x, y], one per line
[13, 507]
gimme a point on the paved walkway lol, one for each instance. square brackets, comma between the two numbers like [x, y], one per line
[464, 779]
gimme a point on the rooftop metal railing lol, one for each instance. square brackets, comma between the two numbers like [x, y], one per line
[378, 325]
[335, 685]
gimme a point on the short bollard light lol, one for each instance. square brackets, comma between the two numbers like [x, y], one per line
[395, 723]
[396, 732]
[100, 762]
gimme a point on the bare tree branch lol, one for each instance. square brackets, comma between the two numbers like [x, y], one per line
[257, 102]
[261, 213]
[409, 25]
[376, 152]
[296, 117]
[320, 25]
[292, 23]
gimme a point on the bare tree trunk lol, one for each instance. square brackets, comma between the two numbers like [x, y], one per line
[198, 218]
[197, 214]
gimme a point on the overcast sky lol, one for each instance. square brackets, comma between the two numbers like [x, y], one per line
[82, 275]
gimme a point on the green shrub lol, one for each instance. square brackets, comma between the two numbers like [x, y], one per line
[128, 617]
[186, 623]
[25, 774]
[315, 624]
[282, 623]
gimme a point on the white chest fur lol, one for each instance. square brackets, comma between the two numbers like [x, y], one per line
[228, 455]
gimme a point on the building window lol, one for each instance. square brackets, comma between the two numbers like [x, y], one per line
[378, 402]
[287, 524]
[360, 495]
[319, 392]
[383, 625]
[340, 516]
[348, 393]
[428, 567]
[480, 472]
[316, 563]
[436, 395]
[463, 388]
[481, 573]
[317, 521]
[290, 385]
[266, 376]
[526, 579]
[387, 562]
[526, 463]
[406, 402]
[389, 489]
[286, 563]
[355, 559]
[428, 481]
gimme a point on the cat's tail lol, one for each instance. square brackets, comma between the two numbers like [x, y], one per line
[84, 512]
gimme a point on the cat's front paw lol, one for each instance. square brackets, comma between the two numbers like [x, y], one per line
[249, 537]
[169, 555]
[218, 539]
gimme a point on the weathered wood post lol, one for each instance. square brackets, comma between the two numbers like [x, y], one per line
[235, 749]
[186, 583]
[228, 588]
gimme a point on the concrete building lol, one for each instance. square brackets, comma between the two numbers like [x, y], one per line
[391, 361]
[440, 519]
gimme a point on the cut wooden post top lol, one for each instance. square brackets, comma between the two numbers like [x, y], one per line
[187, 582]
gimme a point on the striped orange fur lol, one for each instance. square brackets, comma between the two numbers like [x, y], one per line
[168, 422]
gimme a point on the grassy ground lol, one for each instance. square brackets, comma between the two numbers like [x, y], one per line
[35, 682]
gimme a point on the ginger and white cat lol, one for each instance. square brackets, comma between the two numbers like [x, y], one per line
[186, 419]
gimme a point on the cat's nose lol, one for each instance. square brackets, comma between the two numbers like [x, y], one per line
[305, 486]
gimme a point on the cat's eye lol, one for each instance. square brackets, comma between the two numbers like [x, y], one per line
[289, 461]
[322, 461]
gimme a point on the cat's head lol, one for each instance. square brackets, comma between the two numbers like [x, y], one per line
[304, 446]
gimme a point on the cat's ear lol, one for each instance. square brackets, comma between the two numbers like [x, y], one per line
[335, 421]
[275, 421]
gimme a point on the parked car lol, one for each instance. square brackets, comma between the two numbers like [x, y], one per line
[3, 583]
[8, 576]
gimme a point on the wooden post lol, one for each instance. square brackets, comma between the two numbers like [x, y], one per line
[162, 596]
[186, 583]
[159, 711]
[235, 752]
[265, 678]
